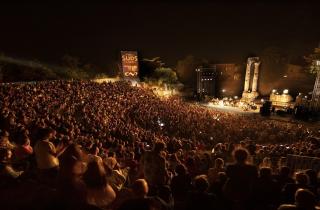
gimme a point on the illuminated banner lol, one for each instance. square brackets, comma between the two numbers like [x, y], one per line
[129, 63]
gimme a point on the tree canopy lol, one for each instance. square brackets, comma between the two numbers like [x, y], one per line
[148, 66]
[163, 75]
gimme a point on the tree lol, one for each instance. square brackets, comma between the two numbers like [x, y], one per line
[73, 69]
[312, 59]
[148, 66]
[113, 69]
[71, 61]
[164, 75]
[185, 69]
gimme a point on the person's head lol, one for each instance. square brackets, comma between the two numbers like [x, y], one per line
[173, 157]
[140, 188]
[219, 163]
[282, 162]
[94, 150]
[5, 154]
[72, 161]
[222, 177]
[242, 144]
[201, 183]
[4, 136]
[181, 169]
[4, 139]
[12, 120]
[111, 162]
[305, 199]
[265, 172]
[131, 155]
[25, 141]
[312, 176]
[5, 133]
[266, 161]
[240, 155]
[285, 171]
[66, 140]
[45, 133]
[302, 178]
[111, 154]
[95, 175]
[159, 146]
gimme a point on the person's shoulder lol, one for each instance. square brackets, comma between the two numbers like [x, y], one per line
[146, 153]
[287, 207]
[290, 180]
[210, 196]
[39, 144]
[149, 152]
[212, 170]
[250, 167]
[49, 143]
[161, 158]
[158, 202]
[290, 185]
[230, 165]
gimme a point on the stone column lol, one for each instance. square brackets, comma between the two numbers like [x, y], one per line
[255, 76]
[247, 79]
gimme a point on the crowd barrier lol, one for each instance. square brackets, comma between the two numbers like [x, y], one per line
[297, 163]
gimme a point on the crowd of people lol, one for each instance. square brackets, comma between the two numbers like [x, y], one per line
[84, 145]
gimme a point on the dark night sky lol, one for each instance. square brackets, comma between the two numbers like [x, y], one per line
[223, 32]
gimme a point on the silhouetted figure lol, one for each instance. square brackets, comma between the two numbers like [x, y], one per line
[266, 192]
[304, 200]
[242, 176]
[289, 190]
[199, 198]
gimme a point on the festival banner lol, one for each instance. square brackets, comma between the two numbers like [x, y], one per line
[130, 63]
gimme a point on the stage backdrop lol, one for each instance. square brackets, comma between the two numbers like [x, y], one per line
[130, 63]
